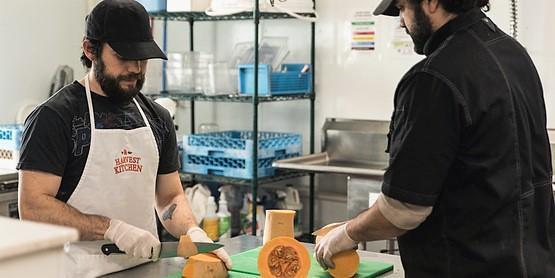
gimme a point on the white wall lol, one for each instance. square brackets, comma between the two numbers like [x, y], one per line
[37, 37]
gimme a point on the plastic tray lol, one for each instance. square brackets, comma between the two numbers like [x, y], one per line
[289, 81]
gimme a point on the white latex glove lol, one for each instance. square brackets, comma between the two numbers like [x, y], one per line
[198, 235]
[132, 240]
[337, 240]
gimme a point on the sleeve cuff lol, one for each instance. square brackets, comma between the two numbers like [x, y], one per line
[409, 196]
[402, 215]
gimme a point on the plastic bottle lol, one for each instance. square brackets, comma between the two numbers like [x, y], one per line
[293, 202]
[210, 221]
[224, 226]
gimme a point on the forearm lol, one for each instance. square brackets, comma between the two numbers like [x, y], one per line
[47, 209]
[372, 225]
[176, 215]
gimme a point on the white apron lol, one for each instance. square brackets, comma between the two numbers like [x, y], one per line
[118, 182]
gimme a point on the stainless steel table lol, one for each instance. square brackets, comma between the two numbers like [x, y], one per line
[165, 267]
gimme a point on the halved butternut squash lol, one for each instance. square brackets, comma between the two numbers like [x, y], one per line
[283, 257]
[205, 265]
[346, 262]
[278, 223]
[186, 247]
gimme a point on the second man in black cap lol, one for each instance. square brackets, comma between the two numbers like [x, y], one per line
[468, 188]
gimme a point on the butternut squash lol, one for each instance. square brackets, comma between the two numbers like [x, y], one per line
[325, 230]
[186, 248]
[278, 223]
[205, 265]
[283, 257]
[346, 262]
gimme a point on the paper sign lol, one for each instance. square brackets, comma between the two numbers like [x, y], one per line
[363, 31]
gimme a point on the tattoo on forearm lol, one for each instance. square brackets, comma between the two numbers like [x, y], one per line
[169, 213]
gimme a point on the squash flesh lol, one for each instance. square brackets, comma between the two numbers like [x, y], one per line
[278, 223]
[206, 265]
[283, 257]
[186, 248]
[346, 262]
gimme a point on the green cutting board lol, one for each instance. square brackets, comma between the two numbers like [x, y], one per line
[247, 263]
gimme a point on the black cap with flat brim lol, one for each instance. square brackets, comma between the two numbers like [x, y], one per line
[387, 7]
[138, 50]
[125, 26]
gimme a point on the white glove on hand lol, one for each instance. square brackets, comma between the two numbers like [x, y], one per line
[198, 235]
[132, 240]
[336, 241]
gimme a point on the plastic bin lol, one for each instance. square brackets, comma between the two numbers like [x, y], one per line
[229, 153]
[154, 5]
[10, 143]
[289, 81]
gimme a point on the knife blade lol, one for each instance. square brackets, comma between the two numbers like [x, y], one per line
[168, 249]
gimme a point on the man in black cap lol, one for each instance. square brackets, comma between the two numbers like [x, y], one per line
[101, 157]
[468, 188]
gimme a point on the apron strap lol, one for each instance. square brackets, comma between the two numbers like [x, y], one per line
[147, 123]
[90, 105]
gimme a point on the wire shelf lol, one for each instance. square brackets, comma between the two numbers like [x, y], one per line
[227, 98]
[282, 175]
[201, 16]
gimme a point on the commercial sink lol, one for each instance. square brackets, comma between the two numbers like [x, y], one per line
[351, 147]
[322, 163]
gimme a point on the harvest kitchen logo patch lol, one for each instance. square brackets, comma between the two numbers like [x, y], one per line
[127, 162]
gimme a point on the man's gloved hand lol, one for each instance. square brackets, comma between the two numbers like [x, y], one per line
[198, 235]
[132, 240]
[337, 240]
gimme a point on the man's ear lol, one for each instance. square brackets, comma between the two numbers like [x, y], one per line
[88, 50]
[430, 6]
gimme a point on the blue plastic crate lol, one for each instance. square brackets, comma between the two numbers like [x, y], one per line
[10, 137]
[154, 5]
[289, 81]
[229, 153]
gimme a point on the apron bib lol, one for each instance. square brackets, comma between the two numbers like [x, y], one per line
[118, 182]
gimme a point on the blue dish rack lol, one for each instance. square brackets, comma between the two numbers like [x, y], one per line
[10, 137]
[10, 143]
[289, 81]
[229, 153]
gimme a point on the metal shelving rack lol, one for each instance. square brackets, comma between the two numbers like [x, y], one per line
[255, 100]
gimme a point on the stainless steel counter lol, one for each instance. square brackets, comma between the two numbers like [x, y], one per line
[165, 267]
[323, 163]
[8, 174]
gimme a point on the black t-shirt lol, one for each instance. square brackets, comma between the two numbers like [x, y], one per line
[57, 133]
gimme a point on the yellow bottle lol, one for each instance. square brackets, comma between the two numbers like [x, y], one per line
[210, 223]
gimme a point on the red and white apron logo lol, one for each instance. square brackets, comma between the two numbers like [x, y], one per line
[127, 162]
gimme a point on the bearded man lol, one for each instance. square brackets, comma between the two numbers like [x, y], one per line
[468, 188]
[101, 157]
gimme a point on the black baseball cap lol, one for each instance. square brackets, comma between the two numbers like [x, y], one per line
[387, 7]
[125, 26]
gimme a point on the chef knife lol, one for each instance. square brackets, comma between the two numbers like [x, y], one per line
[167, 249]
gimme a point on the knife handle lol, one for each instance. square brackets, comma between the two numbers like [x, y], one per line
[111, 248]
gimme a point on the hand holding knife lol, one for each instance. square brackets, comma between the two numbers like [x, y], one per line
[168, 249]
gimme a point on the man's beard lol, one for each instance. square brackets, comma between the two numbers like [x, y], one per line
[422, 30]
[111, 85]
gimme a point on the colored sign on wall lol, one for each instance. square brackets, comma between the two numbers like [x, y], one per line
[363, 31]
